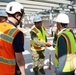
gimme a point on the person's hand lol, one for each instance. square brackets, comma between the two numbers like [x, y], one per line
[48, 44]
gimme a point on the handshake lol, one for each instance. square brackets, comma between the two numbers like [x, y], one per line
[48, 44]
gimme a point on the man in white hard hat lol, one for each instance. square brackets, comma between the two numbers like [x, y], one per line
[3, 16]
[38, 43]
[12, 41]
[65, 44]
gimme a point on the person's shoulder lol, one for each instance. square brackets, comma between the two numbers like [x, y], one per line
[62, 38]
[32, 27]
[44, 27]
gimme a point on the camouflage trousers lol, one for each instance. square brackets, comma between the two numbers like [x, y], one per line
[38, 58]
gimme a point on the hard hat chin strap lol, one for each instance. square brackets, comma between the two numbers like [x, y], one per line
[16, 19]
[13, 15]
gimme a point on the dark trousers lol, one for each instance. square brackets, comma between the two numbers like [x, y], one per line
[68, 73]
[17, 70]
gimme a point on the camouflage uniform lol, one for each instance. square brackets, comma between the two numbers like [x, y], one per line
[38, 56]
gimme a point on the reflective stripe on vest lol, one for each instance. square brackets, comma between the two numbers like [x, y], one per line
[11, 32]
[36, 48]
[68, 41]
[71, 58]
[7, 61]
[6, 38]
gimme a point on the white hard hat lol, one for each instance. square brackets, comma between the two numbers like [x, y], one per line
[14, 7]
[37, 18]
[3, 13]
[62, 18]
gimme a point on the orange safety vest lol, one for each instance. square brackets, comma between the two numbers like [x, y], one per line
[7, 53]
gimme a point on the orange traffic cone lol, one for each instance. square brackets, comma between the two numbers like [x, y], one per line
[49, 67]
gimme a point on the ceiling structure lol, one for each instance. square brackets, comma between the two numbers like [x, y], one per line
[44, 6]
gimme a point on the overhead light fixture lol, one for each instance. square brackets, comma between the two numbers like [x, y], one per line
[56, 11]
[72, 9]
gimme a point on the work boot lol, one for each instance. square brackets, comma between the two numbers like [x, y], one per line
[35, 70]
[42, 71]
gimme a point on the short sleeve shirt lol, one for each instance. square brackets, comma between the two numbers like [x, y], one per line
[18, 44]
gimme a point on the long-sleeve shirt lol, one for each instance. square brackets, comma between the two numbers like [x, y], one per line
[62, 51]
[37, 41]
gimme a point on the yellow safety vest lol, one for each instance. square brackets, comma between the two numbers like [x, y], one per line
[70, 63]
[41, 36]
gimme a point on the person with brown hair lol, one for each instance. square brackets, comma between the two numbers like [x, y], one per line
[12, 41]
